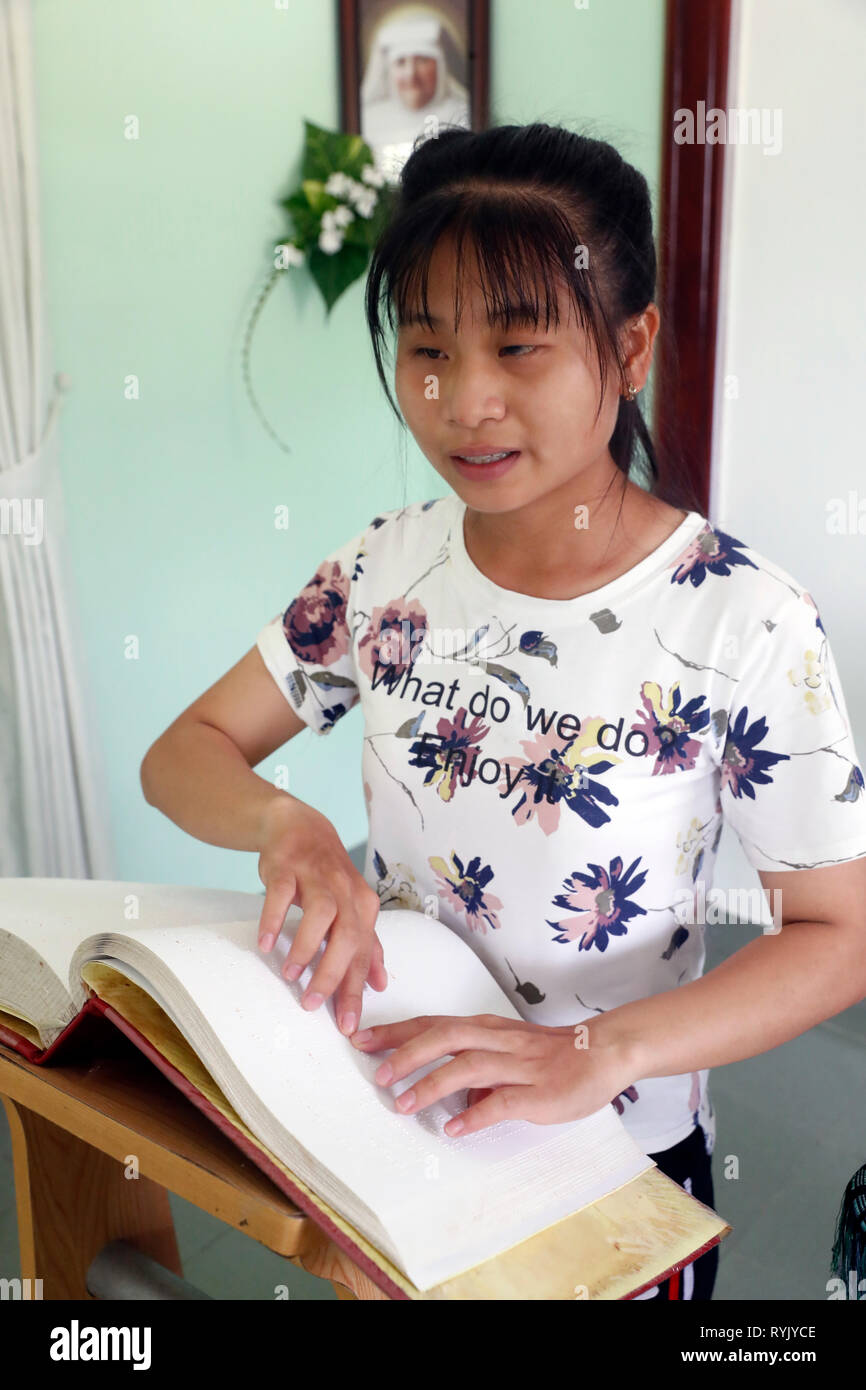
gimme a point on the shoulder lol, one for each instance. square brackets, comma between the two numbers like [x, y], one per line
[715, 563]
[733, 607]
[764, 620]
[752, 581]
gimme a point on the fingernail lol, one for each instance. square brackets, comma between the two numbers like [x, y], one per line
[348, 1024]
[267, 942]
[454, 1127]
[364, 1036]
[293, 971]
[311, 1001]
[384, 1074]
[406, 1101]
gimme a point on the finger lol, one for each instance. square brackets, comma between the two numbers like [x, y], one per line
[349, 1001]
[454, 1076]
[448, 1035]
[378, 976]
[504, 1103]
[279, 896]
[319, 911]
[392, 1034]
[347, 938]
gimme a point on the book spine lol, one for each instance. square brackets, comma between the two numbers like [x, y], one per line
[252, 1151]
[39, 1056]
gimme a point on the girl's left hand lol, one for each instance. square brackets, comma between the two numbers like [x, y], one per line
[523, 1070]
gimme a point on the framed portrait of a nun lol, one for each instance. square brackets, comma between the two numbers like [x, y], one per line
[409, 69]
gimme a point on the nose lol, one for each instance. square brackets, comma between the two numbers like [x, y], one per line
[470, 396]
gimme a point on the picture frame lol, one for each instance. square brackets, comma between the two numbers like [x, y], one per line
[407, 70]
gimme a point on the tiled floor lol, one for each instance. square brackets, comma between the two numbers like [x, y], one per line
[791, 1131]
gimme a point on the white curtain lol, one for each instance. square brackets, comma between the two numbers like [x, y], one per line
[51, 786]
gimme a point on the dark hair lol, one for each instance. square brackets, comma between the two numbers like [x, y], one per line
[526, 196]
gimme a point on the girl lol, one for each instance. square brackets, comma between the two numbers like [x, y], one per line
[568, 682]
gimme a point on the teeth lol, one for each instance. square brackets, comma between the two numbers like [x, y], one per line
[485, 458]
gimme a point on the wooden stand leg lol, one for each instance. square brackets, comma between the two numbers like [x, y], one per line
[324, 1258]
[72, 1200]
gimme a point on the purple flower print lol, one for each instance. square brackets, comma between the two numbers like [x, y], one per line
[440, 753]
[315, 621]
[668, 728]
[710, 552]
[463, 891]
[743, 763]
[392, 640]
[556, 774]
[601, 898]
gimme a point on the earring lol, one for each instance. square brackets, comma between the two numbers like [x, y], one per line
[632, 390]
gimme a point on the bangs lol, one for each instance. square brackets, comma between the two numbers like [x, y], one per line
[526, 252]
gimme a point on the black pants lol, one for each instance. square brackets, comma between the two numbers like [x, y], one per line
[688, 1164]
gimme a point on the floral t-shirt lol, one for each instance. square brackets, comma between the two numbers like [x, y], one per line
[549, 777]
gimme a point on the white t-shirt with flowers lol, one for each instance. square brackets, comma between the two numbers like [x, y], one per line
[552, 775]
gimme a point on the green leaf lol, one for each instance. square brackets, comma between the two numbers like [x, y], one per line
[357, 233]
[327, 151]
[334, 274]
[306, 221]
[318, 199]
[296, 203]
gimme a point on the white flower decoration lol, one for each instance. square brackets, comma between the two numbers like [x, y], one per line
[364, 199]
[338, 184]
[330, 240]
[370, 174]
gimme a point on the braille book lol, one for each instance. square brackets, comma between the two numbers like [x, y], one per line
[179, 971]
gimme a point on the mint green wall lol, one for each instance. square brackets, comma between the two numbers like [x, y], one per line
[154, 252]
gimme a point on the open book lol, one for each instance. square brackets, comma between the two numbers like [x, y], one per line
[432, 1205]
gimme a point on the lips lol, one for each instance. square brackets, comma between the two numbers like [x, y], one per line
[475, 467]
[479, 450]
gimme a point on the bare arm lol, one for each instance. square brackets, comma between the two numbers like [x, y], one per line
[199, 772]
[769, 991]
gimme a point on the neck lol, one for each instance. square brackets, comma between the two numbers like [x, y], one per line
[572, 532]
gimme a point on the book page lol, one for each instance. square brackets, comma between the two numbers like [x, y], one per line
[445, 1203]
[53, 915]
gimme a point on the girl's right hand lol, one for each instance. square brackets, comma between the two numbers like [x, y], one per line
[304, 863]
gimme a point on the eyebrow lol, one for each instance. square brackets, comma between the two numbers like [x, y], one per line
[520, 313]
